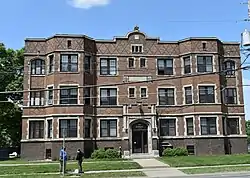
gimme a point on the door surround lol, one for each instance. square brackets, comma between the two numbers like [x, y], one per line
[149, 134]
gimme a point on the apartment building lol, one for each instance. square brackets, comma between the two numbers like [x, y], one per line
[135, 92]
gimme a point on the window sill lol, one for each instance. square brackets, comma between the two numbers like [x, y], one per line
[132, 97]
[110, 106]
[230, 76]
[170, 75]
[68, 105]
[69, 72]
[41, 106]
[108, 75]
[37, 75]
[51, 73]
[187, 73]
[167, 105]
[108, 138]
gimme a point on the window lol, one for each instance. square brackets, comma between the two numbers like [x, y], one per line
[69, 45]
[208, 125]
[108, 128]
[68, 95]
[48, 154]
[205, 63]
[187, 65]
[87, 61]
[131, 62]
[233, 126]
[50, 95]
[188, 95]
[230, 96]
[131, 93]
[204, 46]
[137, 49]
[190, 126]
[49, 127]
[51, 63]
[229, 66]
[166, 96]
[87, 96]
[144, 92]
[167, 127]
[142, 62]
[69, 63]
[108, 96]
[36, 129]
[36, 98]
[37, 67]
[206, 94]
[108, 66]
[87, 128]
[190, 149]
[68, 128]
[165, 66]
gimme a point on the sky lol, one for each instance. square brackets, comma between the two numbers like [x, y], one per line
[102, 19]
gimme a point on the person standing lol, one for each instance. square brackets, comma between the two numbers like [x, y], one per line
[79, 158]
[63, 160]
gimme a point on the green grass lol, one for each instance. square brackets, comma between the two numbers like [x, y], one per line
[20, 161]
[98, 166]
[117, 174]
[216, 169]
[191, 161]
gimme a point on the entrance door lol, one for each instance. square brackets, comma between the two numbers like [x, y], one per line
[140, 138]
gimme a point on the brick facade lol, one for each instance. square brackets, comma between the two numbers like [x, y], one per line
[129, 111]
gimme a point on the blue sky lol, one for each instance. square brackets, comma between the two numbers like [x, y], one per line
[108, 18]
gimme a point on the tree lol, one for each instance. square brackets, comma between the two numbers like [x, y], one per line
[11, 77]
[248, 131]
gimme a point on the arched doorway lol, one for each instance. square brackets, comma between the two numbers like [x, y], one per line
[139, 137]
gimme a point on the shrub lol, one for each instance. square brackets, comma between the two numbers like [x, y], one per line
[112, 153]
[175, 152]
[98, 154]
[108, 154]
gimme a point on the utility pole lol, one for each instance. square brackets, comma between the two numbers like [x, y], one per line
[63, 151]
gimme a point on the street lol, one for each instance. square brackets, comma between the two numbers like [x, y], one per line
[217, 175]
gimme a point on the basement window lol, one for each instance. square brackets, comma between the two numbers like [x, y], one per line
[190, 149]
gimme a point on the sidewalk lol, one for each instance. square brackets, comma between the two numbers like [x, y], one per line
[53, 163]
[158, 168]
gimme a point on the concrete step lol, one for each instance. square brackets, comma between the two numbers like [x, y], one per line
[141, 156]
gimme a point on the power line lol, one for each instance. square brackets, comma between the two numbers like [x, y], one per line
[129, 83]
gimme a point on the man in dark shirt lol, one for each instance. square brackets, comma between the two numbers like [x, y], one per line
[79, 158]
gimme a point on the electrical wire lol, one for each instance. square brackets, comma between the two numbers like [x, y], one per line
[129, 83]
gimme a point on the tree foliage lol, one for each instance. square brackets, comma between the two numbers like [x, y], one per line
[11, 78]
[248, 131]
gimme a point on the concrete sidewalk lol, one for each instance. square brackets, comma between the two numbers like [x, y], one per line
[158, 168]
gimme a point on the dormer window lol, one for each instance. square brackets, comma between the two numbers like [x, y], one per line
[137, 48]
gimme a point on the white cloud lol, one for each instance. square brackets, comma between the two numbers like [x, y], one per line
[86, 4]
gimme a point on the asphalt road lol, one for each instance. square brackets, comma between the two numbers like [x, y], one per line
[221, 175]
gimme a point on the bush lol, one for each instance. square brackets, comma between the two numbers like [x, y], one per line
[108, 154]
[175, 152]
[112, 153]
[98, 154]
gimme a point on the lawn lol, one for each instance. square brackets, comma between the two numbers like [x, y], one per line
[20, 161]
[117, 174]
[52, 168]
[189, 161]
[216, 169]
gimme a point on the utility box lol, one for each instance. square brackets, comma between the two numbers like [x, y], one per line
[245, 38]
